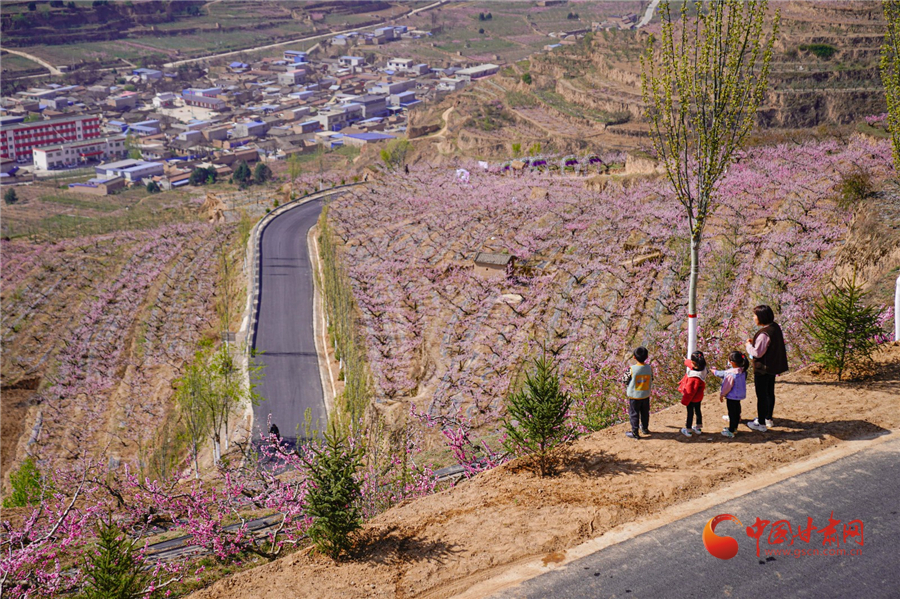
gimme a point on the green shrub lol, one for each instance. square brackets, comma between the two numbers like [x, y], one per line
[26, 485]
[845, 328]
[823, 51]
[526, 78]
[202, 176]
[853, 188]
[394, 153]
[261, 173]
[113, 571]
[242, 174]
[10, 196]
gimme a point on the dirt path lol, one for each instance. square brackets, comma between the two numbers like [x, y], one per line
[53, 70]
[444, 544]
[445, 116]
[648, 14]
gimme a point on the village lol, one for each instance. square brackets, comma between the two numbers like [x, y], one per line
[132, 131]
[135, 126]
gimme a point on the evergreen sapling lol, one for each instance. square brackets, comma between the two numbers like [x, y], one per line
[333, 497]
[113, 571]
[536, 422]
[846, 329]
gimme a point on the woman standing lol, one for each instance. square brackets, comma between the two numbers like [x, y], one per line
[769, 359]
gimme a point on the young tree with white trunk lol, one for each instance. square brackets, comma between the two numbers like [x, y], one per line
[702, 81]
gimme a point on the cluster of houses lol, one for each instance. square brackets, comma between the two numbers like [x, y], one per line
[150, 128]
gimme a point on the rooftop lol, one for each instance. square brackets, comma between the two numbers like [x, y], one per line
[370, 136]
[495, 259]
[78, 144]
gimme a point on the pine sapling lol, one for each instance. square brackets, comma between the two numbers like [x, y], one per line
[334, 494]
[26, 483]
[846, 329]
[537, 418]
[113, 570]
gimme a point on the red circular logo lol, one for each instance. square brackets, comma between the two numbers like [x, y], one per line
[720, 547]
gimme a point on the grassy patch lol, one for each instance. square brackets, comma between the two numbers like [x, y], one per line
[13, 64]
[79, 203]
[130, 218]
[874, 131]
[491, 116]
[348, 152]
[522, 99]
[556, 101]
[823, 51]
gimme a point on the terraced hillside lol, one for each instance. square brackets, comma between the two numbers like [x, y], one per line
[595, 272]
[104, 301]
[154, 31]
[825, 70]
[587, 96]
[95, 330]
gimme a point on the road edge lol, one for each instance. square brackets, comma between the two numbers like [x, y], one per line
[526, 569]
[320, 326]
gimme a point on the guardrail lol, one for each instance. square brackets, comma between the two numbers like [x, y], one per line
[181, 545]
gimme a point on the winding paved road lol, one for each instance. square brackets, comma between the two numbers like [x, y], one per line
[284, 331]
[648, 14]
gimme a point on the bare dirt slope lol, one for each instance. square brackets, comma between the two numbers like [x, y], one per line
[443, 544]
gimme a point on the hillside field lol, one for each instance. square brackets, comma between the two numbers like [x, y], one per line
[596, 273]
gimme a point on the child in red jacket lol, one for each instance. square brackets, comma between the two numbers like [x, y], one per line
[692, 387]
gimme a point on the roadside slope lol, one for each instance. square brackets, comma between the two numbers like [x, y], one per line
[444, 544]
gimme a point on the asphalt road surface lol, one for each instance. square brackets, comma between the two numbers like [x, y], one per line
[672, 561]
[284, 327]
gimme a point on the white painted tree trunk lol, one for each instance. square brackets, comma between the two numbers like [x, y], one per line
[692, 295]
[196, 462]
[897, 312]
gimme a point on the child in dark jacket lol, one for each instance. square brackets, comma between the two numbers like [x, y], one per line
[734, 390]
[692, 387]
